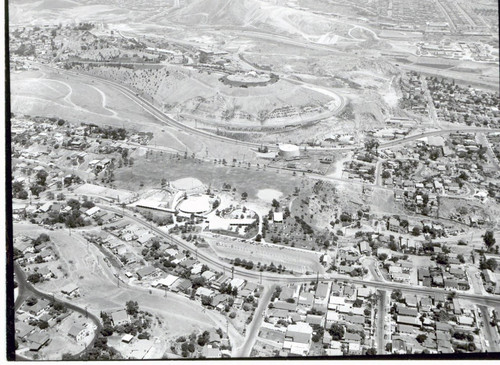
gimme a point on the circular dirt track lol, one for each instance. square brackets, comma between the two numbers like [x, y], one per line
[187, 184]
[249, 79]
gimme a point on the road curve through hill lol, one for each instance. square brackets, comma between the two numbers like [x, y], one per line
[162, 117]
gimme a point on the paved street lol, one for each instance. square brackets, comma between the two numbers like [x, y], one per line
[253, 329]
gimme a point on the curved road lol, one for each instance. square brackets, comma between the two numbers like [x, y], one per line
[26, 287]
[162, 117]
[277, 278]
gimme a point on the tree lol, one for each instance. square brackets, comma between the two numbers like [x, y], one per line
[36, 189]
[416, 231]
[132, 307]
[41, 177]
[490, 264]
[371, 351]
[31, 301]
[17, 188]
[442, 259]
[358, 303]
[244, 195]
[371, 144]
[382, 257]
[35, 278]
[23, 194]
[421, 338]
[489, 239]
[107, 330]
[319, 334]
[43, 237]
[396, 295]
[88, 204]
[74, 204]
[203, 338]
[386, 174]
[43, 324]
[337, 332]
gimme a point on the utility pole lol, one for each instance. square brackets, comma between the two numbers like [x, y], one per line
[260, 277]
[86, 312]
[232, 272]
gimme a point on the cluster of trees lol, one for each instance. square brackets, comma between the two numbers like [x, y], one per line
[306, 228]
[71, 219]
[463, 336]
[489, 239]
[189, 347]
[137, 326]
[337, 332]
[107, 132]
[18, 190]
[228, 289]
[84, 26]
[35, 278]
[246, 264]
[159, 219]
[25, 50]
[40, 323]
[490, 264]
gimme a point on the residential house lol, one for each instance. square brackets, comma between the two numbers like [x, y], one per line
[37, 340]
[145, 271]
[306, 301]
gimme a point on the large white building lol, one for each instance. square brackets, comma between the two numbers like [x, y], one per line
[289, 151]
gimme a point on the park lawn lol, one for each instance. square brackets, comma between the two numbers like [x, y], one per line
[150, 171]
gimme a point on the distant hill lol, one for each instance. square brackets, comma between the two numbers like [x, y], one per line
[31, 12]
[261, 15]
[258, 14]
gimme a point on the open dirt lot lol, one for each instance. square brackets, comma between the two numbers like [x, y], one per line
[291, 259]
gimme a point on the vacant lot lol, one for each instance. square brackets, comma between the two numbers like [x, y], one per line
[76, 99]
[298, 261]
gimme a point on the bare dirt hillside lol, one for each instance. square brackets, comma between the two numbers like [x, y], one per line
[257, 14]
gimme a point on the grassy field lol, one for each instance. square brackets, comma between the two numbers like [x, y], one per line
[150, 172]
